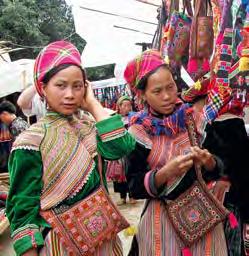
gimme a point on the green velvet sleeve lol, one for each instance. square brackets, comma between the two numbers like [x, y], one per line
[114, 141]
[23, 203]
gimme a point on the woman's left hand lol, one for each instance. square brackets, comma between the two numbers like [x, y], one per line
[89, 99]
[92, 105]
[204, 158]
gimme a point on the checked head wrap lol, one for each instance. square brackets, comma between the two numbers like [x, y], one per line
[52, 56]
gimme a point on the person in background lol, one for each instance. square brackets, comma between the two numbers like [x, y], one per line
[31, 103]
[116, 169]
[5, 147]
[8, 116]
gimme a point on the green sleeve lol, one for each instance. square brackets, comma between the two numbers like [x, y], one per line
[23, 203]
[113, 140]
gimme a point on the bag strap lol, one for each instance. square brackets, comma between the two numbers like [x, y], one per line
[200, 10]
[174, 6]
[194, 141]
[202, 7]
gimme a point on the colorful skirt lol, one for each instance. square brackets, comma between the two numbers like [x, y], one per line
[156, 236]
[53, 247]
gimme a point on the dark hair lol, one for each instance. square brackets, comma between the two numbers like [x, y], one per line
[143, 82]
[8, 107]
[57, 69]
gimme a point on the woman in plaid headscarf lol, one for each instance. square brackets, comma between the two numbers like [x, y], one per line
[54, 164]
[161, 168]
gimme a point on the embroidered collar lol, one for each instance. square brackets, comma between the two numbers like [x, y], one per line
[155, 125]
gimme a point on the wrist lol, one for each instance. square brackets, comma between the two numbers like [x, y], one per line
[93, 104]
[161, 177]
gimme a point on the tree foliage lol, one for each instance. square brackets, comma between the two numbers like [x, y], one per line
[35, 23]
[100, 72]
[32, 24]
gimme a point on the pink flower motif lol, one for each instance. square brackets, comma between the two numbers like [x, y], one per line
[96, 224]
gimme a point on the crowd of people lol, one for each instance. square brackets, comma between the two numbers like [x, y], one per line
[159, 146]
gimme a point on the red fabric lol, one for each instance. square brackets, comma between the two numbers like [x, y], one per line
[53, 55]
[186, 252]
[233, 220]
[143, 64]
[193, 92]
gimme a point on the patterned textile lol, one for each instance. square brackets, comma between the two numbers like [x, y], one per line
[86, 225]
[53, 247]
[116, 170]
[112, 135]
[53, 55]
[176, 38]
[142, 65]
[200, 88]
[156, 236]
[220, 92]
[164, 147]
[17, 126]
[30, 231]
[75, 140]
[108, 96]
[169, 126]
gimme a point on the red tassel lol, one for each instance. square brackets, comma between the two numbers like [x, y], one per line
[192, 66]
[186, 252]
[205, 65]
[233, 220]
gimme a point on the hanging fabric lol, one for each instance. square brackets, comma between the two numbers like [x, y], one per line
[175, 41]
[202, 39]
[162, 18]
[220, 92]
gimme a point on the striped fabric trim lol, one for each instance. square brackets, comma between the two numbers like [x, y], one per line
[28, 230]
[31, 138]
[112, 135]
[234, 71]
[147, 183]
[141, 135]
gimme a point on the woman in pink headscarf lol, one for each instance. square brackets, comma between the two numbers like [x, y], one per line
[161, 169]
[55, 164]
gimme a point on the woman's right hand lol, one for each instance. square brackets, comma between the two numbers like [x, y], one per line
[174, 168]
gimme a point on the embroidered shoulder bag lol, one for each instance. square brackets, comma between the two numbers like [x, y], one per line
[195, 212]
[87, 224]
[202, 38]
[175, 43]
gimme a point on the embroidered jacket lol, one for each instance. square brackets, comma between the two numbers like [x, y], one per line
[54, 162]
[152, 152]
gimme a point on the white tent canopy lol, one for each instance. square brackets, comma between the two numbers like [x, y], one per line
[15, 76]
[112, 28]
